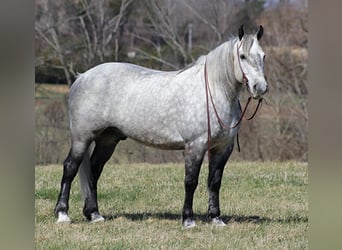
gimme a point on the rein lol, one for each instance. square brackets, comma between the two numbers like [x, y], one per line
[209, 96]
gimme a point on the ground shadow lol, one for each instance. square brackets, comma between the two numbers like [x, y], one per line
[204, 218]
[144, 216]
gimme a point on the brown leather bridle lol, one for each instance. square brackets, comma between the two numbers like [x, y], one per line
[245, 81]
[244, 77]
[209, 96]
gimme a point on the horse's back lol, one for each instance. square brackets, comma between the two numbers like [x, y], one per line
[136, 100]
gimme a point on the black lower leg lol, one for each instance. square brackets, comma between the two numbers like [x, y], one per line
[193, 161]
[190, 187]
[70, 168]
[214, 199]
[216, 167]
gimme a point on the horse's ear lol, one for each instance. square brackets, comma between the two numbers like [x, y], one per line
[241, 32]
[260, 32]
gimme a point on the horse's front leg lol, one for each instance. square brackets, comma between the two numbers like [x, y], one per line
[193, 155]
[218, 160]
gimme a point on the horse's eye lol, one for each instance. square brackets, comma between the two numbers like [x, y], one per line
[264, 57]
[242, 56]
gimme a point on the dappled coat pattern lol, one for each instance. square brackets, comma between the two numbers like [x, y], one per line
[167, 110]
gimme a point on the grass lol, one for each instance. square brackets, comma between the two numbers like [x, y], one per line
[264, 204]
[45, 91]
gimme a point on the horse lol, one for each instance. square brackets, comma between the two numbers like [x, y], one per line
[195, 109]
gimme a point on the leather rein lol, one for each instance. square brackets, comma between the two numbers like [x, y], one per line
[209, 97]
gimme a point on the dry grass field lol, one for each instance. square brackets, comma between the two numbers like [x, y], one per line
[265, 206]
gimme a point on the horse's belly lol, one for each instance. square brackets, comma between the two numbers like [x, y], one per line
[162, 139]
[168, 145]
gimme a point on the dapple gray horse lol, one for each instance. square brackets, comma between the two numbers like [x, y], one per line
[167, 110]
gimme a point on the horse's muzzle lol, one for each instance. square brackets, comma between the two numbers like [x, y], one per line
[259, 90]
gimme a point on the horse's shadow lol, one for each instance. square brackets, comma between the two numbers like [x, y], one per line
[204, 218]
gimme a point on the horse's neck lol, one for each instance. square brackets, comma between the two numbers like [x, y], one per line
[221, 76]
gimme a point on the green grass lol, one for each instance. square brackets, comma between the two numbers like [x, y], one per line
[264, 204]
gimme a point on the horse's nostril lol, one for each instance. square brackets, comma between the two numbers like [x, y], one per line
[255, 87]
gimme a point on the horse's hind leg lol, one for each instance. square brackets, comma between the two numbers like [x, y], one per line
[70, 167]
[193, 155]
[217, 163]
[104, 147]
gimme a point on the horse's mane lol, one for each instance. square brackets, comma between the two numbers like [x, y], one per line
[220, 65]
[200, 60]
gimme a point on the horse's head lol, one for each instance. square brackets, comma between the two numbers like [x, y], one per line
[249, 63]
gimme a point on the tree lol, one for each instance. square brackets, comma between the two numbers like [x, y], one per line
[74, 35]
[250, 11]
[47, 28]
[100, 24]
[91, 29]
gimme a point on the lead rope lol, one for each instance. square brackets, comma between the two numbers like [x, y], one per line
[207, 100]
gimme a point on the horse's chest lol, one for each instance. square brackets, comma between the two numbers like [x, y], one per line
[224, 137]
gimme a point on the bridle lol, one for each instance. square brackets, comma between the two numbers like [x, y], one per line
[245, 81]
[244, 77]
[209, 96]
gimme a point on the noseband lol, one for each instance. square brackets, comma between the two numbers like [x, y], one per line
[209, 95]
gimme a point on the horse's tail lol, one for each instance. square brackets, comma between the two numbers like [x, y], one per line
[86, 177]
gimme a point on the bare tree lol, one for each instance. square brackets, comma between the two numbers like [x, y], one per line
[286, 69]
[203, 19]
[47, 28]
[182, 26]
[169, 34]
[99, 25]
[164, 27]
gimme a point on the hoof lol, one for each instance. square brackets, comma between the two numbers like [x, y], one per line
[96, 217]
[218, 222]
[189, 223]
[63, 218]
